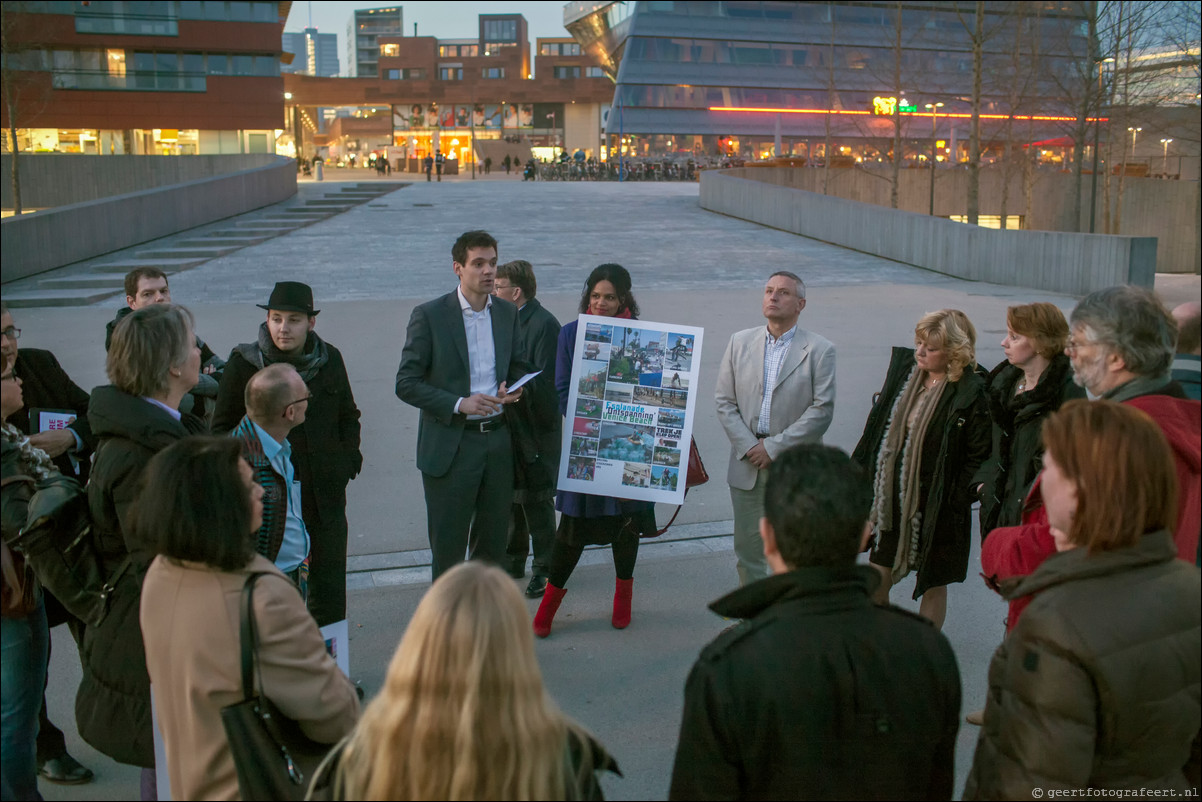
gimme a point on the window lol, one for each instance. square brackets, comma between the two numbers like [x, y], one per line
[218, 64]
[215, 10]
[500, 30]
[390, 49]
[408, 74]
[243, 65]
[265, 12]
[267, 66]
[492, 72]
[451, 73]
[572, 49]
[469, 51]
[594, 72]
[567, 72]
[448, 51]
[155, 18]
[548, 49]
[239, 11]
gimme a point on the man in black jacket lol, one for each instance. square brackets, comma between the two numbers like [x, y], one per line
[325, 448]
[536, 461]
[818, 693]
[47, 388]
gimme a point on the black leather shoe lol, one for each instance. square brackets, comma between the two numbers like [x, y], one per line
[537, 587]
[65, 770]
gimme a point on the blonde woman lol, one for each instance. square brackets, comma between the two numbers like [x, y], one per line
[463, 713]
[926, 436]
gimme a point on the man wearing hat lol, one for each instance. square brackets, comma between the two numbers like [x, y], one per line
[325, 448]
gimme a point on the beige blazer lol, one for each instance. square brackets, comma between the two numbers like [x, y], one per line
[803, 402]
[190, 628]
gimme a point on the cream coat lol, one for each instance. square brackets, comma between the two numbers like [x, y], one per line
[803, 402]
[190, 629]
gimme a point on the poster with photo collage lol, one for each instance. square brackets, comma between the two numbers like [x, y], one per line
[630, 409]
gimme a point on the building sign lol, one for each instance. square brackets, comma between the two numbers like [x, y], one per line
[888, 106]
[630, 409]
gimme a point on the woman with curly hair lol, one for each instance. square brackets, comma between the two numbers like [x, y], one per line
[926, 436]
[588, 519]
[463, 713]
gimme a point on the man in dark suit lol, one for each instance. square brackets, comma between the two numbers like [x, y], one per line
[47, 386]
[537, 465]
[325, 448]
[461, 353]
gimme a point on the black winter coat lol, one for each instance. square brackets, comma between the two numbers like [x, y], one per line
[1017, 454]
[325, 448]
[45, 385]
[819, 694]
[956, 444]
[112, 706]
[535, 422]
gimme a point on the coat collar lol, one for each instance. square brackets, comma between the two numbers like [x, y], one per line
[837, 587]
[1078, 563]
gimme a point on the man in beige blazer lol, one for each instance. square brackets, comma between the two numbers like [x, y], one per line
[776, 389]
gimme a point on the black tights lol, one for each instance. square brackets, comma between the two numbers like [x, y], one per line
[565, 556]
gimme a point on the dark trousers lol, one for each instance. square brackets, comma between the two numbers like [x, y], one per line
[467, 508]
[327, 554]
[51, 743]
[532, 523]
[565, 556]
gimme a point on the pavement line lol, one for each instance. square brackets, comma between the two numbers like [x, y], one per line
[369, 571]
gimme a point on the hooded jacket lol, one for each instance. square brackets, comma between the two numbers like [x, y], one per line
[1099, 684]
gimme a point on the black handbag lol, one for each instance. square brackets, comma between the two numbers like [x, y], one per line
[273, 758]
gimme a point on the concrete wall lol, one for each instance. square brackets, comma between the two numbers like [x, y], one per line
[55, 179]
[1075, 264]
[41, 241]
[1171, 211]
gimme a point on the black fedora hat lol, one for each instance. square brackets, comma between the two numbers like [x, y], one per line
[291, 296]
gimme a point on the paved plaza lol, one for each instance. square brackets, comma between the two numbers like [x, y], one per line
[369, 267]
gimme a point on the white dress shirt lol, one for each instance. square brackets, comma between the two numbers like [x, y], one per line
[481, 353]
[775, 351]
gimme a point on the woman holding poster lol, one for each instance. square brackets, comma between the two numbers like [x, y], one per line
[588, 519]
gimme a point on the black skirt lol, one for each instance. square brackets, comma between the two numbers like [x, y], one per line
[606, 529]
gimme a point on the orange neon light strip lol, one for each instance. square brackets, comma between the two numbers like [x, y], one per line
[964, 116]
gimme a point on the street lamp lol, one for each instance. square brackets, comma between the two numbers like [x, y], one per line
[1134, 132]
[1164, 167]
[1097, 124]
[934, 107]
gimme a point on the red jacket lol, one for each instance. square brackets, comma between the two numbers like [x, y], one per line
[1013, 552]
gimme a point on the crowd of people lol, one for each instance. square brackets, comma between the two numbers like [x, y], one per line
[1082, 449]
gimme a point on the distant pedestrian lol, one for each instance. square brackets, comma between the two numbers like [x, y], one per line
[439, 161]
[428, 164]
[487, 165]
[818, 693]
[507, 163]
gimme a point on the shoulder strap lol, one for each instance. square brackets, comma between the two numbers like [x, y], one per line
[19, 477]
[248, 635]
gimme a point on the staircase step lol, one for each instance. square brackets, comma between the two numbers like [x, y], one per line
[25, 299]
[166, 265]
[112, 282]
[184, 253]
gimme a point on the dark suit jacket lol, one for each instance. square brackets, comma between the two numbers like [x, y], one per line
[46, 385]
[434, 372]
[537, 461]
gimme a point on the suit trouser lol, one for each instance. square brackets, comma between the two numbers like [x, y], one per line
[749, 548]
[532, 523]
[467, 508]
[327, 555]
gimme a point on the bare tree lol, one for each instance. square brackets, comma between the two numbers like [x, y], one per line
[23, 89]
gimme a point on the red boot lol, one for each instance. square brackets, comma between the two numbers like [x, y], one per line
[622, 593]
[547, 609]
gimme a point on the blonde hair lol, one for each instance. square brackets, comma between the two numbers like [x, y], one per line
[146, 345]
[950, 329]
[463, 713]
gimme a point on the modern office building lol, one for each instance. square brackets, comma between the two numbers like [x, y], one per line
[471, 97]
[313, 53]
[761, 78]
[367, 25]
[145, 78]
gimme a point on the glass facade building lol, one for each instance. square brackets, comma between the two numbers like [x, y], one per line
[759, 78]
[313, 53]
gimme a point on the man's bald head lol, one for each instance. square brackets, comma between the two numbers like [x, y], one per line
[1189, 327]
[271, 391]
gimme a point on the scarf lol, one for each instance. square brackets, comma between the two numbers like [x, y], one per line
[624, 314]
[904, 437]
[307, 361]
[34, 461]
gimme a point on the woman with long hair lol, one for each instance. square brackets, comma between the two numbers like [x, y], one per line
[1032, 383]
[198, 512]
[1097, 684]
[587, 519]
[926, 436]
[463, 713]
[25, 641]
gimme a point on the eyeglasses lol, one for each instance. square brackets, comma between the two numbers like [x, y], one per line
[1074, 346]
[299, 401]
[12, 333]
